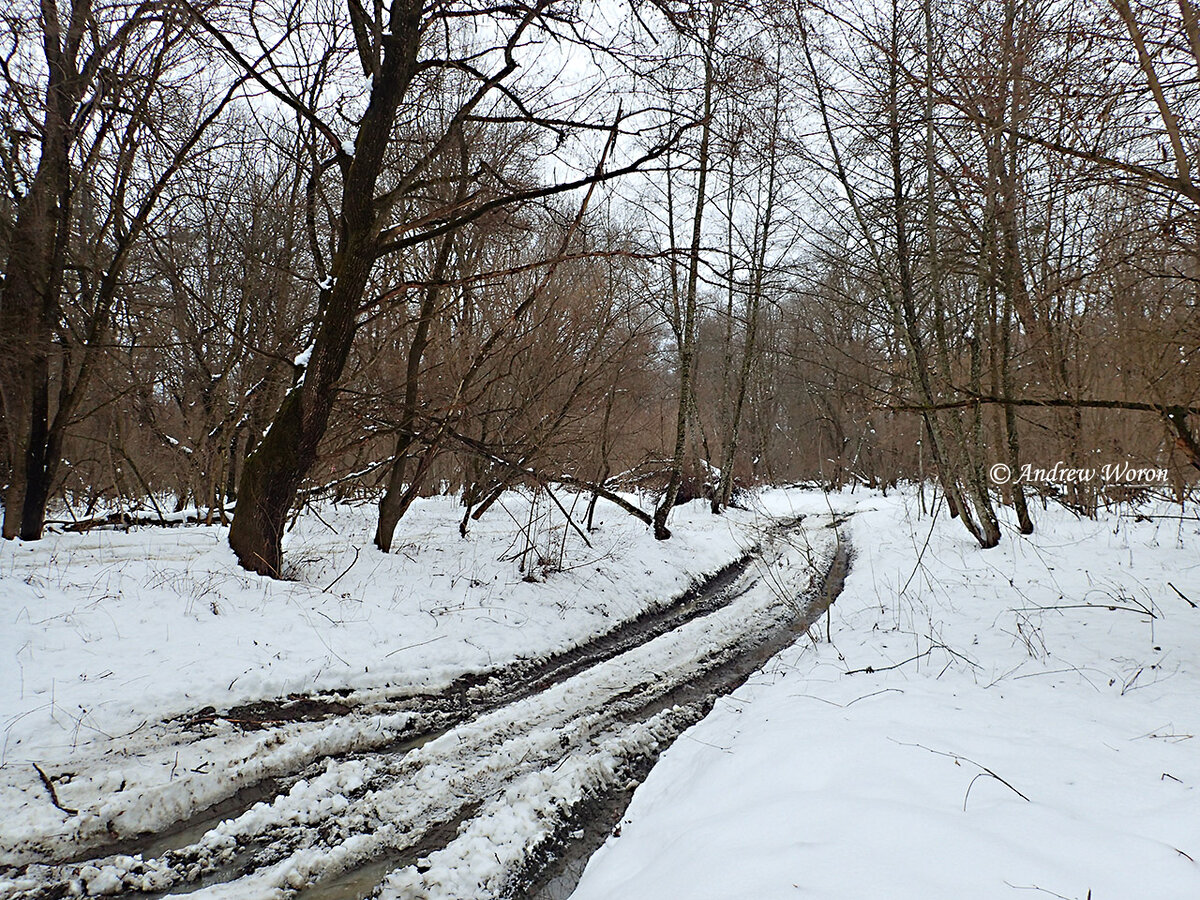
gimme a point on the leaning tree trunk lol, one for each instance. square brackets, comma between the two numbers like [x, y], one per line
[273, 472]
[958, 484]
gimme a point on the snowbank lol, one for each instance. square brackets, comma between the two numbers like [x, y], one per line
[107, 634]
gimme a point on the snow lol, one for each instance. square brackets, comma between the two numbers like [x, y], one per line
[368, 806]
[989, 724]
[479, 863]
[829, 775]
[109, 633]
[303, 357]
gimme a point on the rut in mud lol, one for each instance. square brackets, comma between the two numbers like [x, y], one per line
[427, 714]
[578, 729]
[554, 870]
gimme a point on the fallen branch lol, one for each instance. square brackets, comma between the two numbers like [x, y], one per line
[543, 478]
[314, 491]
[1048, 402]
[53, 793]
[113, 519]
[129, 519]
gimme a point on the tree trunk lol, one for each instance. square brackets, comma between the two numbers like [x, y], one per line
[907, 314]
[723, 411]
[1012, 280]
[30, 294]
[283, 457]
[391, 509]
[724, 490]
[687, 336]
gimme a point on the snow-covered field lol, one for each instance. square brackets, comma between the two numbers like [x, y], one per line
[1017, 722]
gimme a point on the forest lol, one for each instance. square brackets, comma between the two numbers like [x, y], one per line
[263, 252]
[529, 449]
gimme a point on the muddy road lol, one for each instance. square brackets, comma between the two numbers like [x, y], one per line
[500, 786]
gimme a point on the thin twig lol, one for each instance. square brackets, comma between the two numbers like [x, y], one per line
[957, 758]
[411, 646]
[870, 670]
[570, 521]
[1185, 598]
[988, 774]
[1034, 887]
[329, 586]
[924, 547]
[312, 508]
[1109, 606]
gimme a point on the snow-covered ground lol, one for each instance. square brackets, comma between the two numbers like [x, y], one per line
[1017, 722]
[108, 634]
[105, 630]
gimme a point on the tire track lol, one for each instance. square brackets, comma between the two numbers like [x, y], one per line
[621, 698]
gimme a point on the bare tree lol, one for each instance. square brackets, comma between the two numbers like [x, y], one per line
[94, 108]
[382, 161]
[684, 305]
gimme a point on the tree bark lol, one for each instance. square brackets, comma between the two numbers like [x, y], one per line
[31, 283]
[272, 474]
